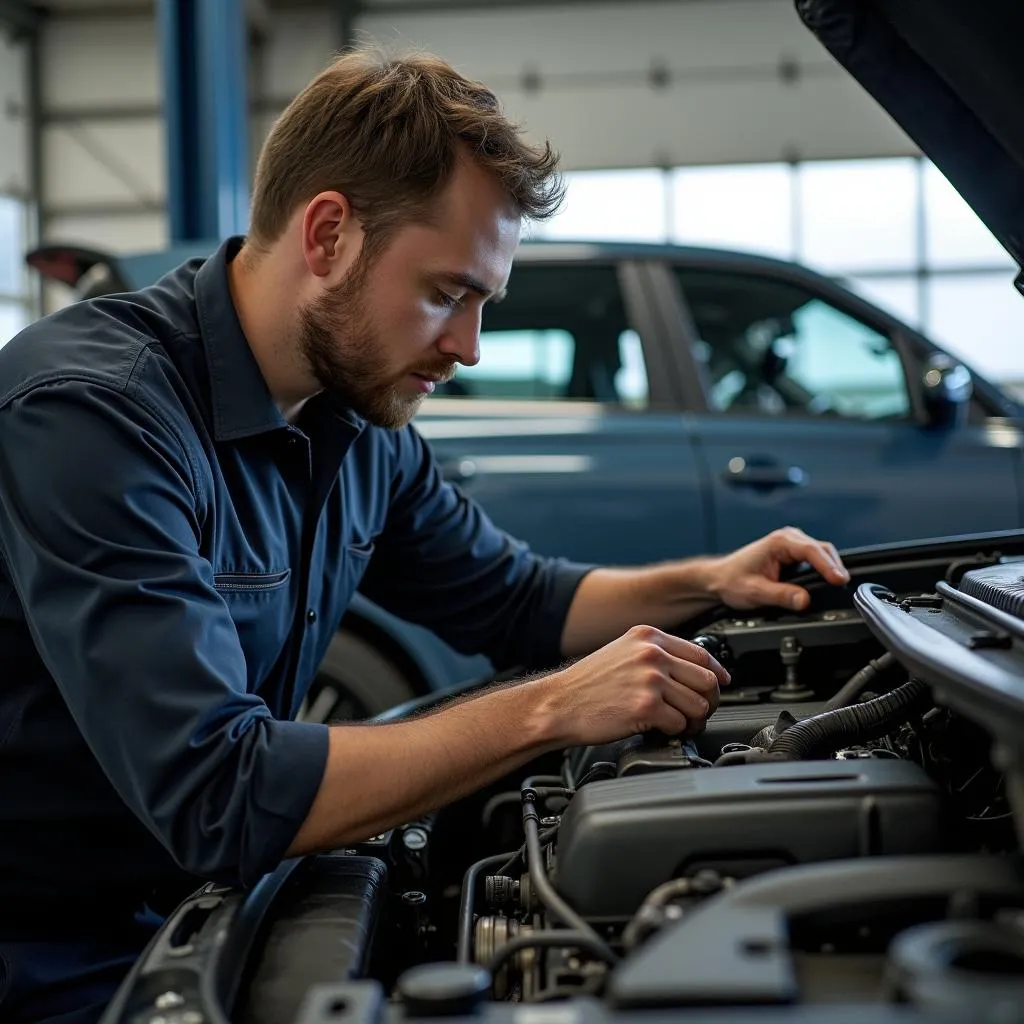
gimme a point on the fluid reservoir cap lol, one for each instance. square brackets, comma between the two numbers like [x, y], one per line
[443, 989]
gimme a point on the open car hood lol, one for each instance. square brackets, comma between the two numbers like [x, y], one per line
[951, 74]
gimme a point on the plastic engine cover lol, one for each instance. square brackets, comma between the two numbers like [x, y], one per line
[619, 839]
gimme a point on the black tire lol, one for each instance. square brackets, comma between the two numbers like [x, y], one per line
[355, 681]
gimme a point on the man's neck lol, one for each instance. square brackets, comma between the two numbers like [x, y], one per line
[263, 293]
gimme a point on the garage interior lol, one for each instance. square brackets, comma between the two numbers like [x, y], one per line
[704, 122]
[762, 310]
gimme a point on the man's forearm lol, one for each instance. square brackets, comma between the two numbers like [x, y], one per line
[609, 601]
[381, 776]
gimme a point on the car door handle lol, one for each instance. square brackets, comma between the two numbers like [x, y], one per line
[739, 473]
[458, 471]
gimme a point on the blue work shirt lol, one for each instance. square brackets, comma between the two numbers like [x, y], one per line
[174, 559]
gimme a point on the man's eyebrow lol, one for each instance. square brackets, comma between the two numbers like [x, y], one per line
[474, 284]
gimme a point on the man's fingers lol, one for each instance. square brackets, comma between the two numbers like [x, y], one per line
[694, 654]
[822, 557]
[700, 681]
[671, 722]
[783, 595]
[835, 558]
[686, 700]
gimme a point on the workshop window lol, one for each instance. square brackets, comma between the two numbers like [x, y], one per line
[15, 302]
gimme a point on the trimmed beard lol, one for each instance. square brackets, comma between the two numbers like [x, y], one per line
[348, 356]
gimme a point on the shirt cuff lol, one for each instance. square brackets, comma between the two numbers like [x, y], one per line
[564, 578]
[288, 780]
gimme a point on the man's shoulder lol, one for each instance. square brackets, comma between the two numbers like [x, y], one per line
[104, 340]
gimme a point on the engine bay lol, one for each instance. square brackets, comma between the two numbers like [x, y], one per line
[846, 831]
[834, 835]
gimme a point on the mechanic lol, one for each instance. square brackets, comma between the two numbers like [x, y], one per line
[195, 478]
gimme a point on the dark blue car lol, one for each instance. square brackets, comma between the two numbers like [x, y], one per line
[636, 403]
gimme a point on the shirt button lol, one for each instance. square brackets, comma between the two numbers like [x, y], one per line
[311, 616]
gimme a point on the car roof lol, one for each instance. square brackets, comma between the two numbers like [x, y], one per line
[71, 263]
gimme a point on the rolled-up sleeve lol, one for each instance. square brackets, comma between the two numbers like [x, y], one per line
[442, 563]
[101, 514]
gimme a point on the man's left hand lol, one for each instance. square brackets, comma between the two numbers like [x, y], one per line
[749, 577]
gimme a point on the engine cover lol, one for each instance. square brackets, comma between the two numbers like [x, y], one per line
[620, 838]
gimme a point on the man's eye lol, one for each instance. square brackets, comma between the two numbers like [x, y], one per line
[448, 301]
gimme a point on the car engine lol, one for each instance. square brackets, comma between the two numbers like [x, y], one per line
[844, 832]
[837, 833]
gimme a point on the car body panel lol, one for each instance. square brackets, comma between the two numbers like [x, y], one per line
[811, 475]
[576, 480]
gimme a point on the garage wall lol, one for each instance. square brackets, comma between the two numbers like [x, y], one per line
[104, 180]
[691, 82]
[613, 85]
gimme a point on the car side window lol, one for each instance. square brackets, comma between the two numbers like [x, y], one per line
[774, 348]
[561, 333]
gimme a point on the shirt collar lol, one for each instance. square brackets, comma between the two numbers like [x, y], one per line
[242, 403]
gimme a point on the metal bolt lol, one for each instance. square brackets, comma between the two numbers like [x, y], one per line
[168, 1000]
[414, 898]
[414, 839]
[549, 821]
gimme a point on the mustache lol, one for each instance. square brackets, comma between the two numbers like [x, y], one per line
[441, 372]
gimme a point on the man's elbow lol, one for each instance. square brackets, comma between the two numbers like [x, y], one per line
[238, 822]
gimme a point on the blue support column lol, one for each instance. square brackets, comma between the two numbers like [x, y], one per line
[204, 63]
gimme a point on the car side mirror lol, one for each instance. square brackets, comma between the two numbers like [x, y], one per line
[946, 388]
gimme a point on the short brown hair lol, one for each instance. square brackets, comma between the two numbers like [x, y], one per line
[385, 132]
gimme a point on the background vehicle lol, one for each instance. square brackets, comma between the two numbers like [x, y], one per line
[638, 403]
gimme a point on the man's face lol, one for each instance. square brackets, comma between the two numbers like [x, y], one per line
[400, 321]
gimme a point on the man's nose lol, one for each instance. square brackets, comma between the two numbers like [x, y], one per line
[462, 339]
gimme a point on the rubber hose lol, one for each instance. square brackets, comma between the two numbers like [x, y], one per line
[860, 681]
[851, 690]
[767, 736]
[545, 891]
[831, 730]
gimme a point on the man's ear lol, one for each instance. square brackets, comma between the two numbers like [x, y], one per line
[331, 235]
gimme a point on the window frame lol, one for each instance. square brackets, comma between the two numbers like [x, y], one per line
[640, 317]
[911, 347]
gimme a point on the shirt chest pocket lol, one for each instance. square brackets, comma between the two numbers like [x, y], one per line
[262, 607]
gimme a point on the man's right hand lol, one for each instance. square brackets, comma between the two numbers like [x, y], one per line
[377, 777]
[647, 679]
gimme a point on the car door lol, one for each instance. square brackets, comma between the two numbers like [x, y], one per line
[566, 432]
[810, 418]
